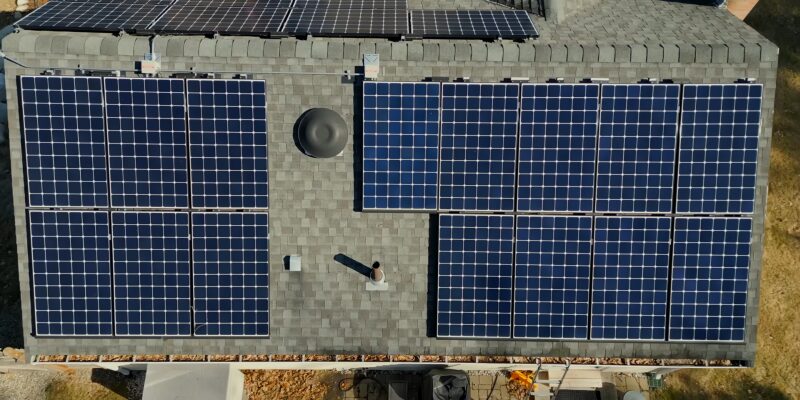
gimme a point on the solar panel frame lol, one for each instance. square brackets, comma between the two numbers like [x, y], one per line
[465, 123]
[710, 253]
[545, 143]
[228, 143]
[63, 128]
[134, 127]
[704, 174]
[547, 272]
[636, 275]
[472, 24]
[620, 156]
[242, 243]
[344, 22]
[80, 243]
[414, 132]
[252, 17]
[96, 15]
[493, 237]
[151, 252]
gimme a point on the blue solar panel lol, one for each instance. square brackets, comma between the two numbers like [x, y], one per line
[475, 270]
[630, 278]
[228, 143]
[71, 271]
[718, 155]
[552, 276]
[710, 264]
[478, 146]
[64, 138]
[231, 274]
[152, 273]
[146, 121]
[557, 147]
[636, 157]
[401, 145]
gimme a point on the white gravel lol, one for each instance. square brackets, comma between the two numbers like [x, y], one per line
[25, 384]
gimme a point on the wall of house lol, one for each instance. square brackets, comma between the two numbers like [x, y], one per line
[324, 310]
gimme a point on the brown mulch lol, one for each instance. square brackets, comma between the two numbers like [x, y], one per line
[290, 385]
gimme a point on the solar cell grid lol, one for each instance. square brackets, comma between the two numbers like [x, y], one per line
[231, 274]
[71, 271]
[401, 4]
[347, 22]
[147, 142]
[475, 276]
[636, 152]
[552, 277]
[557, 147]
[478, 146]
[401, 145]
[630, 278]
[253, 17]
[228, 143]
[711, 257]
[152, 273]
[64, 136]
[103, 16]
[718, 156]
[508, 24]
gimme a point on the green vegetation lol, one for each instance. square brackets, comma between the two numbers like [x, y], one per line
[775, 375]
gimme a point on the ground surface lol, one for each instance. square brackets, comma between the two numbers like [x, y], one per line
[776, 375]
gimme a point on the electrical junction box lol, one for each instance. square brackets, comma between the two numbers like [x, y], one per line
[372, 66]
[151, 64]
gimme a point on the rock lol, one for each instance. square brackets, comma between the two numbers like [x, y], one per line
[18, 14]
[22, 2]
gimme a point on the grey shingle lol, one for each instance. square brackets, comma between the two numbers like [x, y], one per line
[319, 50]
[175, 47]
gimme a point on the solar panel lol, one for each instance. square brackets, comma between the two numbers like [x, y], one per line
[71, 271]
[488, 24]
[717, 163]
[475, 270]
[478, 146]
[552, 276]
[228, 143]
[710, 264]
[147, 142]
[401, 145]
[347, 22]
[557, 146]
[252, 17]
[351, 4]
[231, 274]
[630, 278]
[152, 273]
[95, 15]
[636, 156]
[64, 138]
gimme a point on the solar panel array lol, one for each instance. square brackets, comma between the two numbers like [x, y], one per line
[557, 147]
[709, 279]
[636, 152]
[228, 136]
[477, 24]
[65, 149]
[401, 145]
[140, 251]
[475, 276]
[478, 146]
[719, 149]
[354, 18]
[608, 154]
[70, 267]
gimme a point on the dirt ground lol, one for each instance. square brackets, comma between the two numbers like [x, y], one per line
[70, 384]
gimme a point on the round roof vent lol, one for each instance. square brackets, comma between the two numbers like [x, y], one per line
[322, 133]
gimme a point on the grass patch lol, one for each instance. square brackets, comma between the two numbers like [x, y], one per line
[775, 375]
